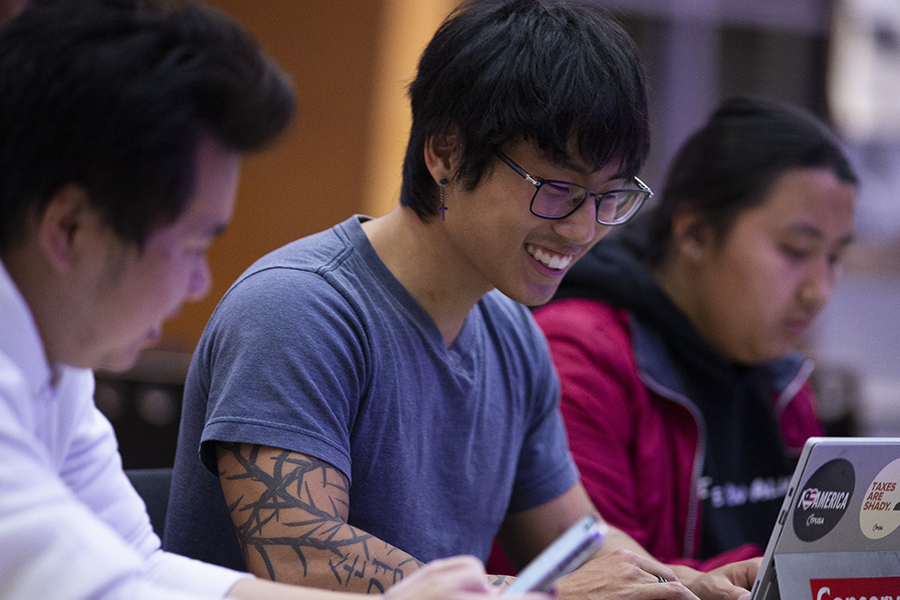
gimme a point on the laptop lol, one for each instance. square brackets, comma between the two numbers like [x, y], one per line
[837, 532]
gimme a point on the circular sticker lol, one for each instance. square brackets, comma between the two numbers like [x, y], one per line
[880, 511]
[824, 499]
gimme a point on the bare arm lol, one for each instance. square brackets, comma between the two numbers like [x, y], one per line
[621, 569]
[523, 535]
[290, 513]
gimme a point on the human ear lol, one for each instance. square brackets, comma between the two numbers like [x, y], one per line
[442, 155]
[60, 226]
[689, 235]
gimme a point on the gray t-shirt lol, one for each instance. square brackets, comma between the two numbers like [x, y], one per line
[318, 349]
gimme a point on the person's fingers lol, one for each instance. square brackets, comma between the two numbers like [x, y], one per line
[670, 590]
[743, 573]
[530, 596]
[624, 574]
[463, 572]
[654, 568]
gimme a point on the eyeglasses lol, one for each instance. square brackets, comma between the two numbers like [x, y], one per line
[558, 199]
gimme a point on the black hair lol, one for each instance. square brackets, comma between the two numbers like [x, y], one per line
[554, 72]
[729, 166]
[115, 95]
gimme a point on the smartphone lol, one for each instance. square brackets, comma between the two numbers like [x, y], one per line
[567, 553]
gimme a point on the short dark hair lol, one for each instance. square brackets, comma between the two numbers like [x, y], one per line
[115, 95]
[729, 165]
[549, 71]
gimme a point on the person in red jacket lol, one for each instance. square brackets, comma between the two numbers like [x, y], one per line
[684, 397]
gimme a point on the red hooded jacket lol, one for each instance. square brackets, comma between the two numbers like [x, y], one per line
[637, 444]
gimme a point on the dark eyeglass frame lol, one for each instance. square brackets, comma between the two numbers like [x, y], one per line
[644, 190]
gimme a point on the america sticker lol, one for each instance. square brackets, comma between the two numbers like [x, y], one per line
[824, 499]
[880, 511]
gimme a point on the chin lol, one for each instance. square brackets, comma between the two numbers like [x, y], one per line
[120, 361]
[763, 356]
[528, 299]
[538, 299]
[531, 295]
[117, 366]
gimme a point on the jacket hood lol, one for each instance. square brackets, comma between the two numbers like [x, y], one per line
[613, 273]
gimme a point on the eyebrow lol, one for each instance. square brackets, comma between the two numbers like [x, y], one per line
[581, 170]
[815, 232]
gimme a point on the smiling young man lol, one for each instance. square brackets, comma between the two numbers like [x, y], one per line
[121, 127]
[377, 394]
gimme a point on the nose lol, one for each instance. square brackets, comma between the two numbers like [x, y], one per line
[581, 226]
[816, 287]
[200, 282]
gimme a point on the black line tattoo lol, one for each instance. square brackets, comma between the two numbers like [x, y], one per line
[324, 530]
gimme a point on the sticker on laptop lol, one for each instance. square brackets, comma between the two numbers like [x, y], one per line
[857, 587]
[880, 511]
[824, 499]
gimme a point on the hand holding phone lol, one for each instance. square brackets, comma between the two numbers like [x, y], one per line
[567, 553]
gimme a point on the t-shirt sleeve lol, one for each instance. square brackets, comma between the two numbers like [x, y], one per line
[545, 469]
[285, 362]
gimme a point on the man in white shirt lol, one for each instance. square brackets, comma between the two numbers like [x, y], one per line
[122, 123]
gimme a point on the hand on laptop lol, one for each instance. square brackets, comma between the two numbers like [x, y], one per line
[623, 574]
[729, 582]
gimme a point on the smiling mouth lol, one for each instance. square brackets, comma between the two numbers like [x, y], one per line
[549, 259]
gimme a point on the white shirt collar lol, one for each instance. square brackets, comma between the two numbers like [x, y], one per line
[19, 336]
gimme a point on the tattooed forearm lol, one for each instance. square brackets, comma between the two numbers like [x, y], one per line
[381, 572]
[290, 511]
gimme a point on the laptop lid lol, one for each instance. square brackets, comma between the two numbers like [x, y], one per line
[836, 532]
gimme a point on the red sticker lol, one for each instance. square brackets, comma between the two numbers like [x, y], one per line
[860, 588]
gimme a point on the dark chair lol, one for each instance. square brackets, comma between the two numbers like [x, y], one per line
[153, 486]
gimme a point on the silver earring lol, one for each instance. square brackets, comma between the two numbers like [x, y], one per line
[442, 183]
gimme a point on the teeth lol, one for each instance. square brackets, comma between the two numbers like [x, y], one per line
[551, 261]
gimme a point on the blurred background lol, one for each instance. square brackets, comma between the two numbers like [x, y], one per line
[351, 60]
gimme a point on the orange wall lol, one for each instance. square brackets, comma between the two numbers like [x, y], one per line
[314, 177]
